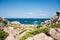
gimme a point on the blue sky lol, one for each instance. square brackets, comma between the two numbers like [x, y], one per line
[29, 8]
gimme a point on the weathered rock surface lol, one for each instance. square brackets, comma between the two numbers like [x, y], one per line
[13, 33]
[58, 29]
[3, 22]
[55, 34]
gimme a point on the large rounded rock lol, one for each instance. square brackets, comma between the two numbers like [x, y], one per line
[55, 34]
[42, 36]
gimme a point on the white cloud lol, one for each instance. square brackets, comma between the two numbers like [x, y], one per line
[42, 14]
[30, 13]
[33, 15]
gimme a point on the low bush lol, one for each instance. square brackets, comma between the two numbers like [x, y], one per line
[26, 36]
[42, 30]
[39, 26]
[3, 35]
[55, 26]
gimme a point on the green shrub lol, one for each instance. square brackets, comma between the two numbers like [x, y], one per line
[26, 36]
[55, 26]
[39, 26]
[3, 34]
[42, 30]
[33, 27]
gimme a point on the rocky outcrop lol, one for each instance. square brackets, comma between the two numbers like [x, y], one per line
[54, 20]
[3, 22]
[54, 34]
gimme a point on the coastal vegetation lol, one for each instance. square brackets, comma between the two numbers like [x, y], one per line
[55, 25]
[26, 36]
[37, 31]
[39, 26]
[3, 35]
[41, 30]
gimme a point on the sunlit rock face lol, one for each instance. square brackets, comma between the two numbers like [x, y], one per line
[55, 34]
[3, 22]
[58, 29]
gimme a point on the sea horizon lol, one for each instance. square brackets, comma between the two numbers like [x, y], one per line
[35, 21]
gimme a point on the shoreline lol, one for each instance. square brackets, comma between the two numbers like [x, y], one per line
[27, 21]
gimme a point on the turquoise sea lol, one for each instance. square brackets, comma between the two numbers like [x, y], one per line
[28, 20]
